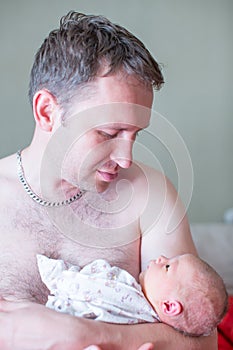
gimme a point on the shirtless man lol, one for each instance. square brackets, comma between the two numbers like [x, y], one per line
[91, 93]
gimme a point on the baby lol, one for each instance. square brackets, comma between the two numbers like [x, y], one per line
[184, 292]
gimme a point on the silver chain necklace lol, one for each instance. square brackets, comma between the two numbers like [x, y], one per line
[33, 195]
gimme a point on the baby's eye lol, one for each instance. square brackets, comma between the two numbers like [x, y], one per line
[167, 267]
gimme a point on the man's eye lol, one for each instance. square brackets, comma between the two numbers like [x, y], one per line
[167, 267]
[106, 135]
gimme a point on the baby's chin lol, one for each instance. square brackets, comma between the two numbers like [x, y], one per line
[141, 277]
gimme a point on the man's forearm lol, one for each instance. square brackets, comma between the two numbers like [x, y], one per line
[166, 338]
[32, 326]
[125, 337]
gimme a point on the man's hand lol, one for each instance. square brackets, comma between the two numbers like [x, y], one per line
[30, 326]
[146, 346]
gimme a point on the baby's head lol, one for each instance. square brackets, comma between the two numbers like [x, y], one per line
[186, 293]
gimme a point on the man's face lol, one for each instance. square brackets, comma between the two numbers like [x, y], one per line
[106, 127]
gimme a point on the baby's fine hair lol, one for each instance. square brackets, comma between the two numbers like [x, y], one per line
[205, 301]
[85, 47]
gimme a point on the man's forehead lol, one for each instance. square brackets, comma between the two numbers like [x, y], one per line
[115, 115]
[111, 90]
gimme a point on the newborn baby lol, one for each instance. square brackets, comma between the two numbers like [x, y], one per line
[184, 292]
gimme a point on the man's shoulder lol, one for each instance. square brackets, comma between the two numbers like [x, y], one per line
[8, 166]
[8, 175]
[150, 180]
[148, 188]
[141, 173]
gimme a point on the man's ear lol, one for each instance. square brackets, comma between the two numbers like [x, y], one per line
[44, 105]
[171, 307]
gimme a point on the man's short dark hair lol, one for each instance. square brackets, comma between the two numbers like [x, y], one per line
[77, 52]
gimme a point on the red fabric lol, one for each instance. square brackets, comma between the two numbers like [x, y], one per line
[225, 329]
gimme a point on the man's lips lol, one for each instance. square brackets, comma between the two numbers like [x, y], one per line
[106, 176]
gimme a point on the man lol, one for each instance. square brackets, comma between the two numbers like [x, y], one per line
[76, 193]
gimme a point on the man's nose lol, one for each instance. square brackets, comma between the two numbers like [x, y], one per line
[122, 153]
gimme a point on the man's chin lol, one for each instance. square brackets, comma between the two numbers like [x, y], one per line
[101, 186]
[94, 186]
[103, 180]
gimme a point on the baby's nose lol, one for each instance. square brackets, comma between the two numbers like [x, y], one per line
[161, 259]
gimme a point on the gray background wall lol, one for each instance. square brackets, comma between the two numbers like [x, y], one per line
[193, 40]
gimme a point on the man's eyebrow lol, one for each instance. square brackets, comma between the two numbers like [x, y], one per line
[122, 127]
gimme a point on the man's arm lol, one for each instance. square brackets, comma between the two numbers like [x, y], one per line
[164, 225]
[166, 231]
[162, 336]
[29, 326]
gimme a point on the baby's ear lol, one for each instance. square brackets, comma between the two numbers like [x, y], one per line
[171, 307]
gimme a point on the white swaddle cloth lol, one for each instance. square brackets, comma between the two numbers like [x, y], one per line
[97, 291]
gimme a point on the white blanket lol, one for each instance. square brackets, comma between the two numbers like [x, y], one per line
[97, 291]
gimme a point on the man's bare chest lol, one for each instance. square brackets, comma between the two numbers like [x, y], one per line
[33, 232]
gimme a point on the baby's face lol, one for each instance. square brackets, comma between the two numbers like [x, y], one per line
[163, 276]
